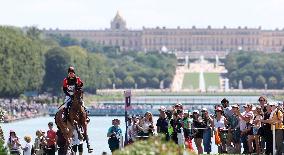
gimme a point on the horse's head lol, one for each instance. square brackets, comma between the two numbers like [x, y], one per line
[78, 95]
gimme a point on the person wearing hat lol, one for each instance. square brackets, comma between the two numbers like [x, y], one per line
[207, 120]
[219, 125]
[163, 123]
[234, 129]
[114, 134]
[177, 126]
[178, 106]
[245, 118]
[70, 84]
[27, 150]
[276, 118]
[198, 135]
[256, 125]
[133, 129]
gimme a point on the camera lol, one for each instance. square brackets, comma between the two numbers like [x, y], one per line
[179, 111]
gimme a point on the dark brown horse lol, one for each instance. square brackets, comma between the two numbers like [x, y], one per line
[77, 119]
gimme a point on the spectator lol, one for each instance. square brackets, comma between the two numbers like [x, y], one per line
[43, 143]
[262, 102]
[187, 129]
[219, 125]
[245, 119]
[77, 142]
[163, 123]
[27, 150]
[133, 129]
[234, 129]
[276, 118]
[176, 124]
[14, 143]
[226, 108]
[147, 124]
[256, 125]
[114, 134]
[37, 149]
[207, 131]
[197, 123]
[51, 140]
[266, 131]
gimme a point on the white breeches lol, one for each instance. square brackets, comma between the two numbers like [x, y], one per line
[67, 99]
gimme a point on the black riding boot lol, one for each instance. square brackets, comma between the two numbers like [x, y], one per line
[66, 112]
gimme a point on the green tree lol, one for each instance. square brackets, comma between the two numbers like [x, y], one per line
[57, 61]
[21, 63]
[247, 81]
[141, 81]
[129, 82]
[260, 81]
[272, 82]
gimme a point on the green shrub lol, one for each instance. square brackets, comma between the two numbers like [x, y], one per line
[153, 146]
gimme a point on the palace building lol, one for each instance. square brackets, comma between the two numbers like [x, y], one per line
[181, 39]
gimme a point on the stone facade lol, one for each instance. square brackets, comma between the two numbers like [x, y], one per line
[182, 39]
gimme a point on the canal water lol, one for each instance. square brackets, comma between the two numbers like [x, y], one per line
[98, 128]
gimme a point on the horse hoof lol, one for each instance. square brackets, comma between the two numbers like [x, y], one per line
[90, 150]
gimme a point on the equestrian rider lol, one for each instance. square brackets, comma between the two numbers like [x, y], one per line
[70, 84]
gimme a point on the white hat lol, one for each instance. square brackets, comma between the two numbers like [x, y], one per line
[235, 106]
[185, 111]
[272, 104]
[204, 109]
[162, 108]
[195, 111]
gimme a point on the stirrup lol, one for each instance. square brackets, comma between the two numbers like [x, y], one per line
[88, 120]
[90, 150]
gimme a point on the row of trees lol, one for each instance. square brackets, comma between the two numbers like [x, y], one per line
[256, 69]
[21, 62]
[32, 61]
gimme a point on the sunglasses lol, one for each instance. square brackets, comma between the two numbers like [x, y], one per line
[261, 100]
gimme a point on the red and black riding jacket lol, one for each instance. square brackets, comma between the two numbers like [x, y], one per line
[69, 85]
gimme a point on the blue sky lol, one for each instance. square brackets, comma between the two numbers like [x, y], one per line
[97, 14]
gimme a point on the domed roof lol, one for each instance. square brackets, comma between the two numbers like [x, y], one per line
[118, 16]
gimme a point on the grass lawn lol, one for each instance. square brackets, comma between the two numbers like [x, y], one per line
[190, 81]
[212, 80]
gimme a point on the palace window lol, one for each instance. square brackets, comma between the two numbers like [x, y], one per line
[123, 42]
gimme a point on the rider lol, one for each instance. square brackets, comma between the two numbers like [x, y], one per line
[70, 83]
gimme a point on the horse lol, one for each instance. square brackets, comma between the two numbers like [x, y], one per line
[66, 128]
[77, 119]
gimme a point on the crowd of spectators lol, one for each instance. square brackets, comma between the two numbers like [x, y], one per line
[16, 109]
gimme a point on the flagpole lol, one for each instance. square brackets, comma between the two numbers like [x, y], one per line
[127, 95]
